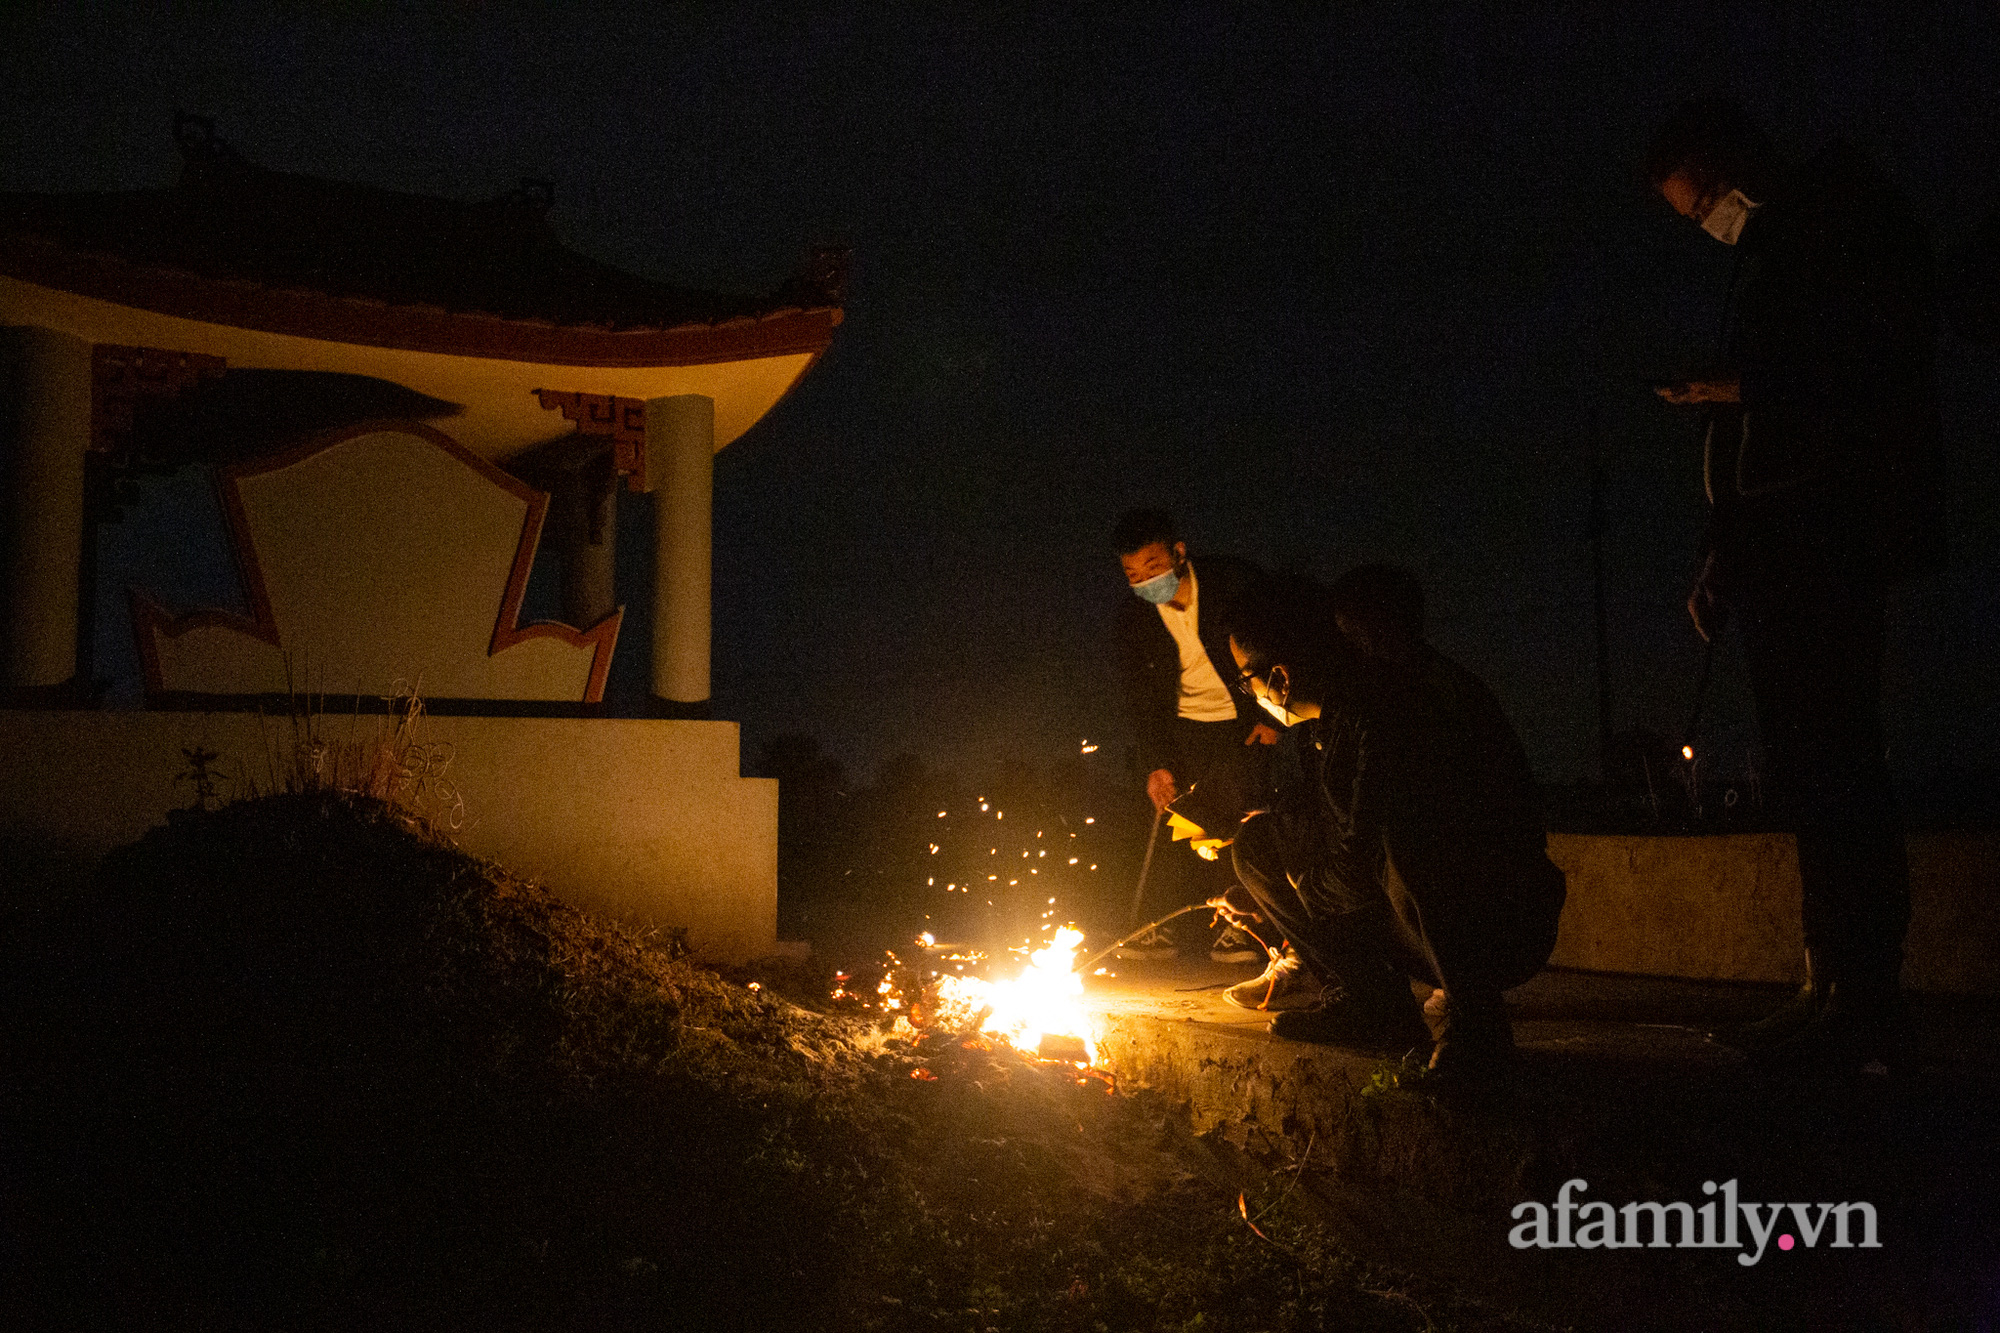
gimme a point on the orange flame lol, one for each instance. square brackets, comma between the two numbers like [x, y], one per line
[1044, 1000]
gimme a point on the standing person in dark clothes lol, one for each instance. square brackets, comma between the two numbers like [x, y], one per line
[1188, 723]
[1824, 469]
[1403, 838]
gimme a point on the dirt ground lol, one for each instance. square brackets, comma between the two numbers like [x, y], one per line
[295, 1064]
[292, 1064]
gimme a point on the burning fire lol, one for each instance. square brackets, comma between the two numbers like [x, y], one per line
[954, 992]
[1039, 1012]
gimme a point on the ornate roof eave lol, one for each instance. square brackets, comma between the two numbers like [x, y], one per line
[365, 322]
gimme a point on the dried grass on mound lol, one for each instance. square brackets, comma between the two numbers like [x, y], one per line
[329, 928]
[293, 1063]
[296, 1056]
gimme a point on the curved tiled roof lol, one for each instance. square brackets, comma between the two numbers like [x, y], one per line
[233, 243]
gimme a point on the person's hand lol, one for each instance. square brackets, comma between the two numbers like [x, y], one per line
[1261, 734]
[1234, 911]
[1160, 788]
[1701, 391]
[1705, 608]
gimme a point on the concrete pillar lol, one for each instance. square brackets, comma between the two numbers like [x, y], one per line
[47, 405]
[680, 464]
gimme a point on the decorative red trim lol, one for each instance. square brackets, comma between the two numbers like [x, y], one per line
[148, 617]
[604, 634]
[121, 376]
[603, 416]
[367, 323]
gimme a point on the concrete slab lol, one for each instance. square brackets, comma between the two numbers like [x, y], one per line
[1165, 1026]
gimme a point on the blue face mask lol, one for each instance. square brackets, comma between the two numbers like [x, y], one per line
[1726, 219]
[1159, 589]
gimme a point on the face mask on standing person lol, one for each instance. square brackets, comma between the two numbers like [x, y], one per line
[1726, 218]
[1159, 589]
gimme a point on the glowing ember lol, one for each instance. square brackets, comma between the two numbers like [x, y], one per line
[1044, 1001]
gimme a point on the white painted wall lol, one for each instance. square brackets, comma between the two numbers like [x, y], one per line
[384, 556]
[1726, 908]
[642, 819]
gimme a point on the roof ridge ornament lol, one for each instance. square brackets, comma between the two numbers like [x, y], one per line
[236, 243]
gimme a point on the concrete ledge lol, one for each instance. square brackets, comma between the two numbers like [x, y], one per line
[1726, 908]
[1167, 1028]
[646, 820]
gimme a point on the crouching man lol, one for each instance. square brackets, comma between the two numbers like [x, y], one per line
[1403, 840]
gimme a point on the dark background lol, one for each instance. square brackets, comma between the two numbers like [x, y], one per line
[1333, 288]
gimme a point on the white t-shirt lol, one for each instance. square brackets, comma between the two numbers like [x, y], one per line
[1204, 696]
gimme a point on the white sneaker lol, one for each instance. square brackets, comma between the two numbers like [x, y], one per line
[1285, 984]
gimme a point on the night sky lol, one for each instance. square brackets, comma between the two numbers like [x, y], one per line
[1333, 289]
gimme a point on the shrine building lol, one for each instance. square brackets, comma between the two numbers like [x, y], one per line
[402, 409]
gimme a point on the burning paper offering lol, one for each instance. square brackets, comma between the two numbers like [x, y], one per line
[1039, 1011]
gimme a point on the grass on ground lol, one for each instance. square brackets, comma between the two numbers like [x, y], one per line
[291, 1063]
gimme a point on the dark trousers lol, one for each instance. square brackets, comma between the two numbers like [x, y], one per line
[1814, 644]
[1472, 919]
[1205, 751]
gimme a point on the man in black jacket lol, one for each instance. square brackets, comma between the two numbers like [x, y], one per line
[1403, 838]
[1824, 469]
[1172, 655]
